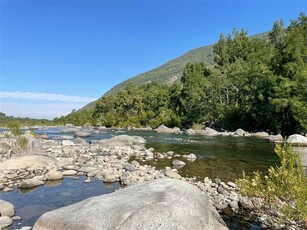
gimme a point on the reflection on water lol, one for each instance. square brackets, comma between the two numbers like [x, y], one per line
[30, 204]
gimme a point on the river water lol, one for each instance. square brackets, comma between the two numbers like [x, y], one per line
[217, 157]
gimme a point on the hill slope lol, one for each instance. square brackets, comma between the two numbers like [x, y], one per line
[171, 70]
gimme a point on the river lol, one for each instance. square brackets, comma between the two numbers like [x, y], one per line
[217, 157]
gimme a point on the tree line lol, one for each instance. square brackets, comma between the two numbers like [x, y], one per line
[254, 84]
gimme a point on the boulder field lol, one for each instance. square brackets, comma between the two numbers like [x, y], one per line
[158, 204]
[148, 203]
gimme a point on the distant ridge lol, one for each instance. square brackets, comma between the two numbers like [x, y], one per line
[172, 70]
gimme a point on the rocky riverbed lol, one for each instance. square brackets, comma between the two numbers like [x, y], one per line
[108, 160]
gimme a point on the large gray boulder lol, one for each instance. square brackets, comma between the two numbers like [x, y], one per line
[297, 139]
[34, 145]
[164, 129]
[261, 135]
[189, 132]
[28, 162]
[158, 204]
[275, 138]
[240, 132]
[209, 132]
[123, 140]
[299, 146]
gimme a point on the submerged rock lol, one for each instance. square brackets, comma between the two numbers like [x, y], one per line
[158, 204]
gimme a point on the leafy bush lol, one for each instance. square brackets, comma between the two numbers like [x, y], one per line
[284, 189]
[197, 126]
[15, 129]
[19, 144]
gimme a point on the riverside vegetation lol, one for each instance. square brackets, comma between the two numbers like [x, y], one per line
[284, 189]
[255, 84]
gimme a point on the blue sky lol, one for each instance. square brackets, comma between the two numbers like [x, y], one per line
[59, 55]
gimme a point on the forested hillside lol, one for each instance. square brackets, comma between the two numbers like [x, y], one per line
[5, 120]
[254, 83]
[171, 71]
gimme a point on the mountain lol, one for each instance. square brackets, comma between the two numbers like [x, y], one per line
[172, 70]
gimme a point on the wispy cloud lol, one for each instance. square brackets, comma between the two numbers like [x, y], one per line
[44, 96]
[47, 111]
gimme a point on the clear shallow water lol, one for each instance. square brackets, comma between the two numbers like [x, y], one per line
[30, 204]
[217, 157]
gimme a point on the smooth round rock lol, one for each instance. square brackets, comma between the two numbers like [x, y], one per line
[5, 221]
[6, 208]
[54, 175]
[159, 204]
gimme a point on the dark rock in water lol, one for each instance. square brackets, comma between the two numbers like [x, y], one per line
[158, 204]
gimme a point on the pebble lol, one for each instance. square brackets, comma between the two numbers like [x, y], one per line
[231, 184]
[234, 205]
[87, 180]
